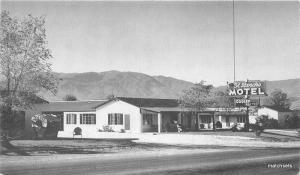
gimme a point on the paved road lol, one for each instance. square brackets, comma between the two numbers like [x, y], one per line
[248, 161]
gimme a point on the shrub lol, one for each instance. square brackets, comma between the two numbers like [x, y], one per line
[122, 130]
[268, 123]
[107, 128]
[291, 121]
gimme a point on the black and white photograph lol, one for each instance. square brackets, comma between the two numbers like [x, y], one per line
[158, 87]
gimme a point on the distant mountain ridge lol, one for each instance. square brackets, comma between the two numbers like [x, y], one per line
[93, 85]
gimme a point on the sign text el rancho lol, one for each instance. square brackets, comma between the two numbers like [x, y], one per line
[247, 88]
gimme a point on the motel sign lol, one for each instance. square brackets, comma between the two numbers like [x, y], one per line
[247, 88]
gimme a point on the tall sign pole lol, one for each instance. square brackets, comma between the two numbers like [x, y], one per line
[233, 38]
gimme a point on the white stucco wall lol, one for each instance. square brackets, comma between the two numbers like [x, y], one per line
[269, 112]
[92, 130]
[222, 119]
[280, 116]
[123, 108]
[87, 129]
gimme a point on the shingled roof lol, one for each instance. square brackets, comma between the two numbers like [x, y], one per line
[150, 102]
[72, 106]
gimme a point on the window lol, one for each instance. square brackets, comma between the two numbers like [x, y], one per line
[71, 118]
[241, 119]
[148, 118]
[88, 119]
[206, 119]
[115, 119]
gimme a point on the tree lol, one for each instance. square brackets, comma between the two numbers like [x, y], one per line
[25, 67]
[279, 99]
[268, 123]
[223, 100]
[197, 98]
[70, 97]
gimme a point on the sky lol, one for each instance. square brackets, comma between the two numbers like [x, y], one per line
[192, 41]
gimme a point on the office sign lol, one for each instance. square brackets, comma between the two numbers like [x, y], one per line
[247, 88]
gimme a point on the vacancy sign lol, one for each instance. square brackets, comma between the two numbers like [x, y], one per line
[242, 102]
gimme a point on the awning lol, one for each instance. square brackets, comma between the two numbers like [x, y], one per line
[205, 113]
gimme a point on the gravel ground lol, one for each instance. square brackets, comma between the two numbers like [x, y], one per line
[220, 140]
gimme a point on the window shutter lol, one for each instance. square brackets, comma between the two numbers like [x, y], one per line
[75, 118]
[109, 119]
[121, 119]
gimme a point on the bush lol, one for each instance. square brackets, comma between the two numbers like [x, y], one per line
[107, 128]
[291, 122]
[268, 123]
[253, 127]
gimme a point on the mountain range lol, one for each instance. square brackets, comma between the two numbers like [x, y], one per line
[93, 85]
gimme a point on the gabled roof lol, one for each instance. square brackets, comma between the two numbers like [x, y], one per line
[278, 108]
[72, 106]
[150, 102]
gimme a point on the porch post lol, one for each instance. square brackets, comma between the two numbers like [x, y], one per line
[159, 122]
[214, 127]
[179, 118]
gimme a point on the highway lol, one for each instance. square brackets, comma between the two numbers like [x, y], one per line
[247, 161]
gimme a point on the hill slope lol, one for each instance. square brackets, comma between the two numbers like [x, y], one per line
[92, 85]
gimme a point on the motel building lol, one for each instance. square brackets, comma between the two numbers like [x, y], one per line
[134, 115]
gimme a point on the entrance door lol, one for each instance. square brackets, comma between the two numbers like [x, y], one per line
[227, 121]
[127, 122]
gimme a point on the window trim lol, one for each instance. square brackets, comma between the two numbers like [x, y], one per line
[115, 119]
[85, 121]
[241, 119]
[69, 117]
[205, 119]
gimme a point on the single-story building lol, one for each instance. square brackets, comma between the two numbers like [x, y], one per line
[277, 113]
[136, 115]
